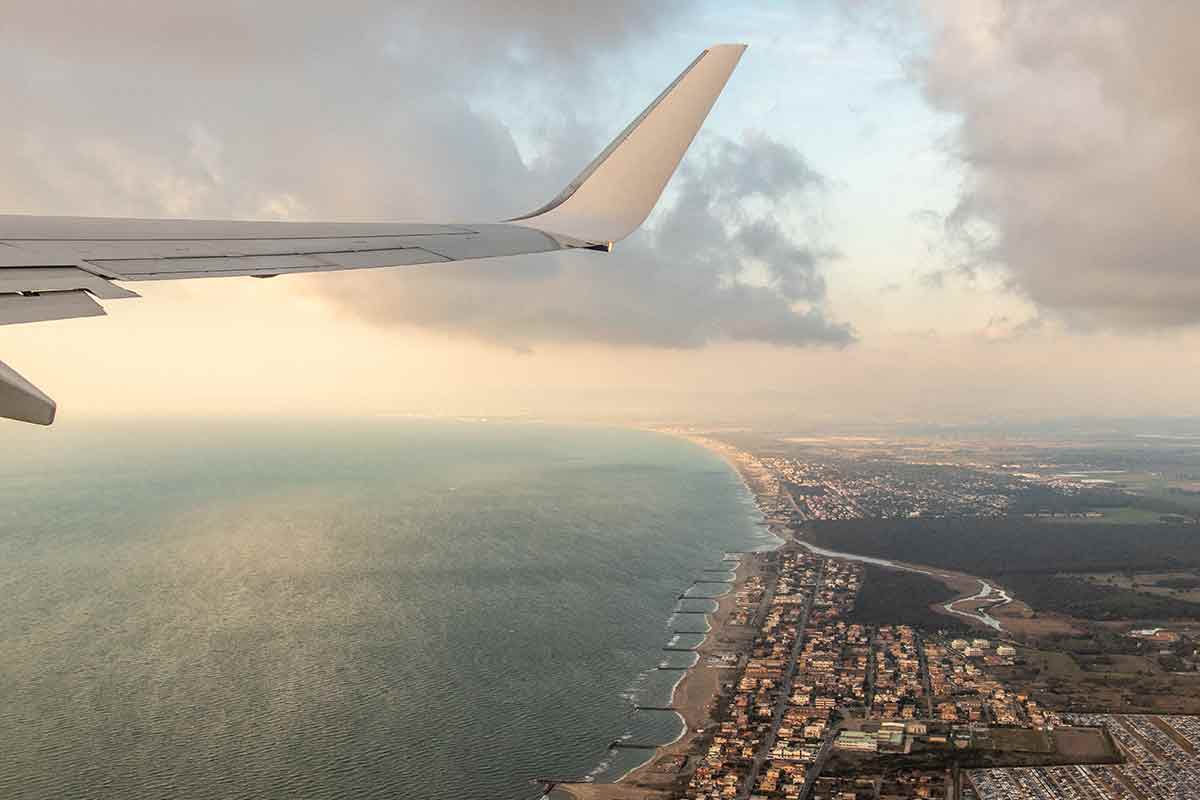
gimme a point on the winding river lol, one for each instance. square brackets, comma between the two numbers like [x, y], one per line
[986, 590]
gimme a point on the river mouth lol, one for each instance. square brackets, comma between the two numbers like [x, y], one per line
[987, 592]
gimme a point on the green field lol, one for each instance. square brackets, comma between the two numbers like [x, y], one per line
[1111, 516]
[1155, 488]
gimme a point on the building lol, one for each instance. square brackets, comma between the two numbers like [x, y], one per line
[858, 741]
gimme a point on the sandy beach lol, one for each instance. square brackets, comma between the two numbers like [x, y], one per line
[696, 694]
[760, 480]
[694, 698]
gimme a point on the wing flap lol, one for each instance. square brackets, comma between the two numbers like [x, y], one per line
[399, 257]
[149, 259]
[18, 308]
[211, 267]
[234, 248]
[494, 240]
[49, 279]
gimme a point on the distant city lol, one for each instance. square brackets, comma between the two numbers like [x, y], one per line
[968, 619]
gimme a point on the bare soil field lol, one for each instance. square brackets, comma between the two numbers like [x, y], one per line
[607, 791]
[1021, 622]
[1021, 740]
[1129, 684]
[1084, 745]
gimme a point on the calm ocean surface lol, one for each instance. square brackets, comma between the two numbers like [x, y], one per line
[401, 609]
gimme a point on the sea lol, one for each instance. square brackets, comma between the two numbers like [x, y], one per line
[389, 608]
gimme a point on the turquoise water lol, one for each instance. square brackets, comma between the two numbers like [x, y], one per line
[388, 609]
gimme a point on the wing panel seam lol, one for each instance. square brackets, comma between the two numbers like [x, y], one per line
[457, 231]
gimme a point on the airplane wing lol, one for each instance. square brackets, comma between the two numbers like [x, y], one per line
[57, 267]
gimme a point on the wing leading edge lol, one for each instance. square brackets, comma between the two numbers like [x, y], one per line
[56, 267]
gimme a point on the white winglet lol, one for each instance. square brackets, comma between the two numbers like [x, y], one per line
[617, 191]
[21, 400]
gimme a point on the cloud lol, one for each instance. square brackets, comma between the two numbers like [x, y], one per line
[1002, 328]
[370, 111]
[229, 36]
[1080, 128]
[709, 268]
[379, 111]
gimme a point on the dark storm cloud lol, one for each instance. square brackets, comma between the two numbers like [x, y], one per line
[1080, 126]
[404, 111]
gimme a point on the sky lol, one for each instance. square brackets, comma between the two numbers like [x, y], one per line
[930, 211]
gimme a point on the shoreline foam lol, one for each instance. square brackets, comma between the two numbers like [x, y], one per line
[693, 702]
[693, 698]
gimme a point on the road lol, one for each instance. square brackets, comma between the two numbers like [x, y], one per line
[919, 643]
[720, 709]
[814, 771]
[781, 704]
[792, 500]
[869, 696]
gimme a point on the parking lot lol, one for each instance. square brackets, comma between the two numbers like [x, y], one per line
[1161, 764]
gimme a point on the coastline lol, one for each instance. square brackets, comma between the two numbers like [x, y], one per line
[695, 695]
[977, 597]
[754, 476]
[694, 699]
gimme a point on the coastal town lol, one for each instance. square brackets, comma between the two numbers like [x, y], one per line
[821, 697]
